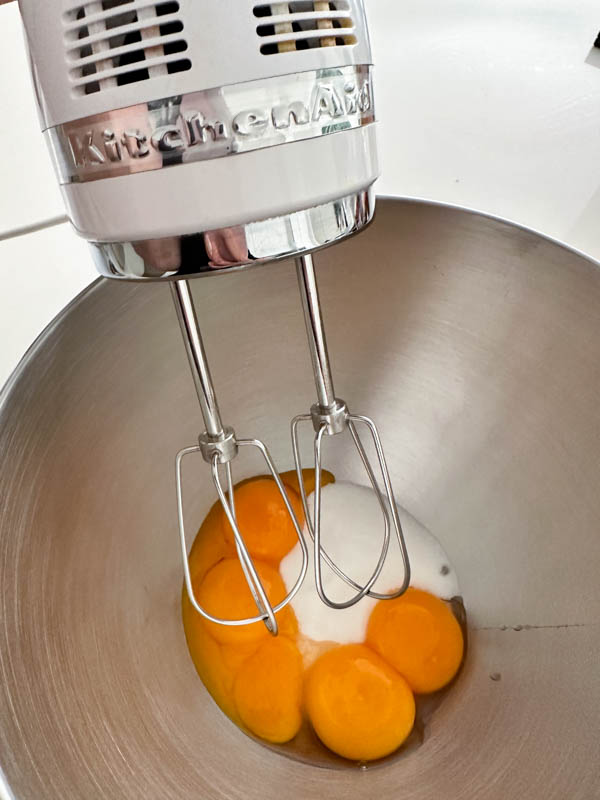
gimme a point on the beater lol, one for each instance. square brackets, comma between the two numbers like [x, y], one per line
[198, 137]
[329, 417]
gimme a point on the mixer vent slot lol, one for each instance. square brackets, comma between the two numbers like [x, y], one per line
[111, 43]
[304, 24]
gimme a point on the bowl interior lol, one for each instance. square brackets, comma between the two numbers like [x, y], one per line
[474, 346]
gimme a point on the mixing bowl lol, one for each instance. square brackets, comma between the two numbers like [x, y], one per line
[475, 346]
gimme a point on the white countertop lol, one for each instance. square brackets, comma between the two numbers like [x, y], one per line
[488, 104]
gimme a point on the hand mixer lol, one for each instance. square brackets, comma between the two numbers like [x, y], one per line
[192, 137]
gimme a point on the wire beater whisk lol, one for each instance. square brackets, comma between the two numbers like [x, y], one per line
[219, 446]
[330, 416]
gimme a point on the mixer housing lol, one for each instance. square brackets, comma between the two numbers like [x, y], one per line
[191, 136]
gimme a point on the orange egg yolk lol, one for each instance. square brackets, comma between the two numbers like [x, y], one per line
[290, 479]
[420, 637]
[263, 519]
[224, 593]
[217, 664]
[268, 690]
[209, 546]
[358, 705]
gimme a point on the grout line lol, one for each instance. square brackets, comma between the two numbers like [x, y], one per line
[33, 228]
[519, 628]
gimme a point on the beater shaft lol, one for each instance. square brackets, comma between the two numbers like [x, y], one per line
[311, 305]
[194, 346]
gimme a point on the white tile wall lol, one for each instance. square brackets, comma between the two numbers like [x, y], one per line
[490, 104]
[40, 274]
[28, 191]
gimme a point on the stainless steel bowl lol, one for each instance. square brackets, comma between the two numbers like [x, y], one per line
[475, 345]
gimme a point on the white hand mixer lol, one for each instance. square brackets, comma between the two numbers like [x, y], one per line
[191, 137]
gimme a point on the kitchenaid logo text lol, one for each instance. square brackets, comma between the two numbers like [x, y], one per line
[339, 105]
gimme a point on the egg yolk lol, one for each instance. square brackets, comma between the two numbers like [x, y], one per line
[268, 690]
[420, 637]
[290, 479]
[224, 593]
[216, 664]
[209, 546]
[358, 705]
[263, 519]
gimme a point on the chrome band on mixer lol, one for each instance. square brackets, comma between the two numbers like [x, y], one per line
[212, 123]
[231, 249]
